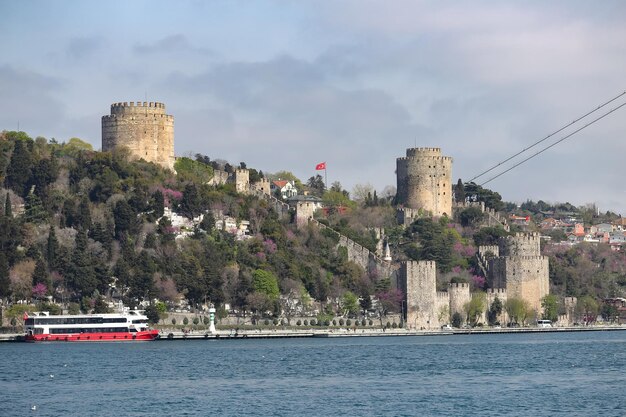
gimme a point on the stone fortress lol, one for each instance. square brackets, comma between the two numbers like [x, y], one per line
[143, 128]
[514, 268]
[424, 180]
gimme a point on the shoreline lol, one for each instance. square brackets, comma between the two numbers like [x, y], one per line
[337, 333]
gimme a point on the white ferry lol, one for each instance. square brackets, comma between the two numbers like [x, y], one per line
[129, 326]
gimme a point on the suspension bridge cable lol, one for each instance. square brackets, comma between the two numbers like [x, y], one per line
[555, 143]
[548, 137]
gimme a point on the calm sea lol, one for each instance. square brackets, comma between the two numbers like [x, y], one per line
[494, 375]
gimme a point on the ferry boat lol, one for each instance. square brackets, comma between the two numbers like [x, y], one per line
[127, 326]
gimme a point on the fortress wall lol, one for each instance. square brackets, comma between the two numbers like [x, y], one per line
[527, 278]
[521, 244]
[459, 296]
[424, 180]
[242, 180]
[143, 128]
[483, 250]
[418, 281]
[442, 307]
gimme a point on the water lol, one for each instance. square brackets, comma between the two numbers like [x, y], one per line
[488, 375]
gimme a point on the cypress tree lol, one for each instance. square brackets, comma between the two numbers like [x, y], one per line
[5, 282]
[8, 211]
[52, 249]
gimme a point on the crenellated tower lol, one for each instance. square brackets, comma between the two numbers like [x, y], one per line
[521, 269]
[143, 128]
[424, 179]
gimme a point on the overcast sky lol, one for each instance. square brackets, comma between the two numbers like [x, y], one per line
[284, 85]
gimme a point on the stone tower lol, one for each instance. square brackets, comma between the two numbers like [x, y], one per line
[143, 128]
[521, 269]
[424, 179]
[417, 280]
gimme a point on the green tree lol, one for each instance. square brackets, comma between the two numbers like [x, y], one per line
[5, 282]
[266, 283]
[459, 192]
[316, 184]
[124, 218]
[191, 203]
[81, 275]
[457, 319]
[517, 309]
[471, 216]
[587, 308]
[550, 305]
[350, 304]
[19, 169]
[476, 307]
[52, 249]
[153, 314]
[494, 311]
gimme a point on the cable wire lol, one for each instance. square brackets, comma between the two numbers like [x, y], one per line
[555, 143]
[549, 136]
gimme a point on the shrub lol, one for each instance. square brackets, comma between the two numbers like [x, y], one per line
[185, 321]
[334, 322]
[341, 322]
[356, 323]
[275, 322]
[283, 322]
[298, 323]
[363, 322]
[400, 325]
[173, 321]
[312, 322]
[326, 323]
[348, 322]
[456, 320]
[371, 322]
[266, 322]
[394, 325]
[306, 322]
[196, 321]
[388, 325]
[206, 321]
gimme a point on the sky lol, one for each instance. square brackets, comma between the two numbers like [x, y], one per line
[285, 85]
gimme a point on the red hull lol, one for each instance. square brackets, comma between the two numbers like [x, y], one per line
[94, 337]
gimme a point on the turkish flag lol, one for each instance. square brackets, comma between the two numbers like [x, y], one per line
[320, 166]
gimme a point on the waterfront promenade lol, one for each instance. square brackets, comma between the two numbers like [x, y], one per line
[168, 335]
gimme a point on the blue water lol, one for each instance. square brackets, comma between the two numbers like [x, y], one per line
[486, 375]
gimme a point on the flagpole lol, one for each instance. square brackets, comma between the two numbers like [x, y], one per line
[325, 178]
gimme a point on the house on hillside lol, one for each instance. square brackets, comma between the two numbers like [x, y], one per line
[286, 188]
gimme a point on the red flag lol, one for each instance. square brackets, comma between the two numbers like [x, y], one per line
[320, 166]
[25, 315]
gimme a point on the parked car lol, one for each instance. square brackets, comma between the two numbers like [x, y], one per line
[446, 327]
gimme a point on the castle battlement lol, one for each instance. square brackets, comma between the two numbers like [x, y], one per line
[496, 291]
[143, 128]
[443, 296]
[457, 285]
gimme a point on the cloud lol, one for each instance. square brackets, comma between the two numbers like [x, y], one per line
[81, 48]
[177, 44]
[29, 98]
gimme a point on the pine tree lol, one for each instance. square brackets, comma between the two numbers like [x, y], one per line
[19, 169]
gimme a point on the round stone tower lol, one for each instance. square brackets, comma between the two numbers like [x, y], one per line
[424, 179]
[143, 128]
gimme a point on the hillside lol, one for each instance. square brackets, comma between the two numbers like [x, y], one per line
[82, 228]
